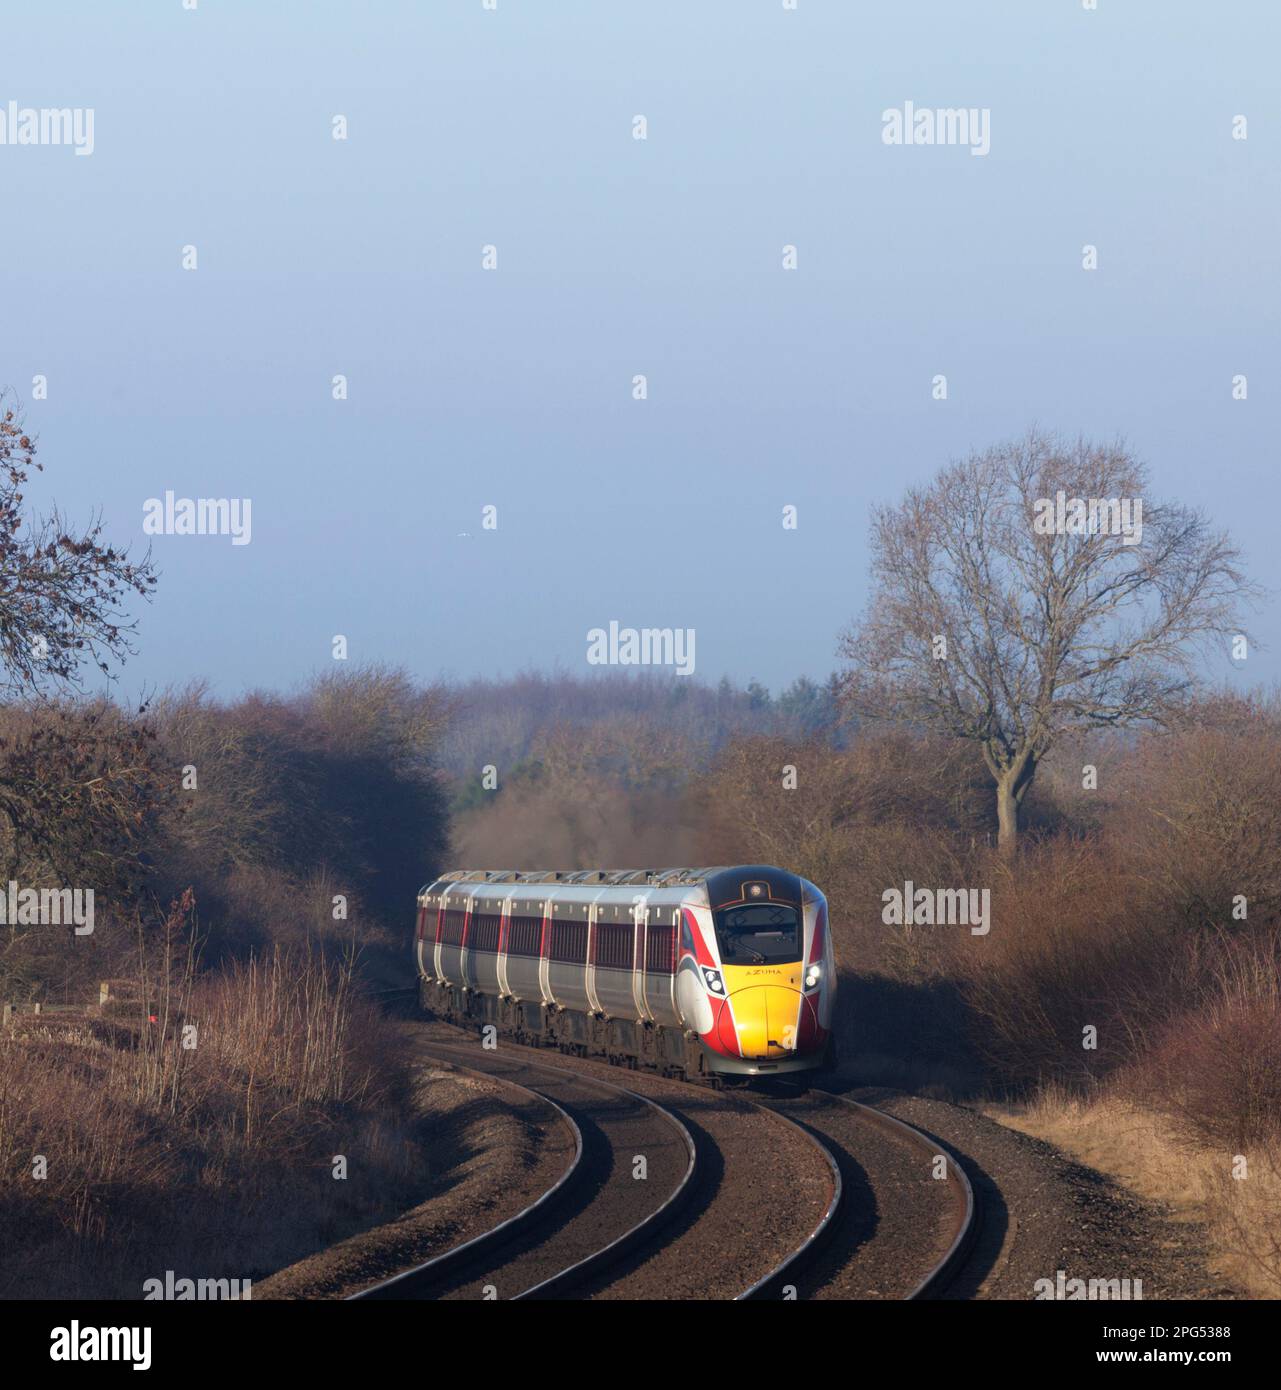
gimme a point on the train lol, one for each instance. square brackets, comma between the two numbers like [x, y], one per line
[701, 974]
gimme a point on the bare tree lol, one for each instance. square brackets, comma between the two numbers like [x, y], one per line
[1004, 613]
[62, 591]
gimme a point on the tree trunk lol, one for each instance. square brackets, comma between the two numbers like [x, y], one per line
[1007, 814]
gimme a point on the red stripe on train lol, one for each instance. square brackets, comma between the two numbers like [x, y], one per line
[820, 933]
[701, 954]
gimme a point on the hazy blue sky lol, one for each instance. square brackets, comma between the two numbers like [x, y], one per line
[617, 257]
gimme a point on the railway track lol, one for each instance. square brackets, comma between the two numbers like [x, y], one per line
[601, 1234]
[634, 1167]
[605, 1235]
[778, 1280]
[963, 1224]
[417, 1281]
[900, 1179]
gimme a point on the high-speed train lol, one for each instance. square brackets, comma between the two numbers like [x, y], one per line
[700, 973]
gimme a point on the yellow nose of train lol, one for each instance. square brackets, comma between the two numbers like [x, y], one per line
[763, 1017]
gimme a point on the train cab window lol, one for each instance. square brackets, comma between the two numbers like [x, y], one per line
[759, 934]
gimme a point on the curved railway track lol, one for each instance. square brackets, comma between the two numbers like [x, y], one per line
[598, 1233]
[601, 1233]
[411, 1283]
[780, 1276]
[964, 1221]
[893, 1200]
[595, 1214]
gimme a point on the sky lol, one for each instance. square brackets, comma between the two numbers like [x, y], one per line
[512, 388]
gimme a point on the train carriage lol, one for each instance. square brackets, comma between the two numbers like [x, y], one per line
[703, 973]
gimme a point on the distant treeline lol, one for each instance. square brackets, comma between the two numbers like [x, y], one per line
[504, 723]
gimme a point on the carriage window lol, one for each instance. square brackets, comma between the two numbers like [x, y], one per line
[758, 934]
[484, 931]
[525, 936]
[452, 930]
[614, 945]
[660, 948]
[569, 942]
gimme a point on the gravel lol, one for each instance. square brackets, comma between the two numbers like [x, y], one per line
[897, 1219]
[1042, 1212]
[492, 1150]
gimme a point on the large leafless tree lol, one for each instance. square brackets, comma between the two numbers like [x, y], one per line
[996, 630]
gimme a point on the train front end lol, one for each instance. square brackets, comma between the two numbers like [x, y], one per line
[756, 978]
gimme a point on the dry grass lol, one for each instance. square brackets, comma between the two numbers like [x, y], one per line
[214, 1160]
[1146, 1152]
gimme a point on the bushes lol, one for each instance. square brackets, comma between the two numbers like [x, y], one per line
[1199, 814]
[270, 808]
[213, 1159]
[1215, 1069]
[82, 787]
[336, 782]
[297, 1029]
[217, 1156]
[856, 822]
[536, 824]
[1073, 946]
[83, 793]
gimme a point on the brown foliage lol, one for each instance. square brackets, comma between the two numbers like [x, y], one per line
[82, 787]
[1202, 817]
[1215, 1069]
[604, 800]
[214, 1158]
[858, 821]
[334, 785]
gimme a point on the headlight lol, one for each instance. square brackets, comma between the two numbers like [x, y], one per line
[712, 978]
[813, 975]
